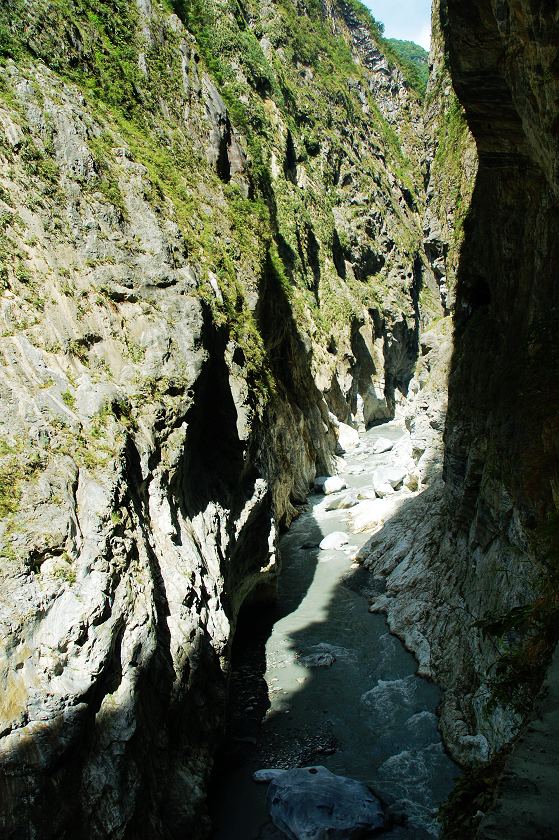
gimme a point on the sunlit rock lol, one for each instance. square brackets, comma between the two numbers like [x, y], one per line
[334, 541]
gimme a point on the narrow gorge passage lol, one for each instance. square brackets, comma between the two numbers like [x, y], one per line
[232, 234]
[335, 687]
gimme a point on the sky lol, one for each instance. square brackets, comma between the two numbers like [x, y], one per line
[409, 20]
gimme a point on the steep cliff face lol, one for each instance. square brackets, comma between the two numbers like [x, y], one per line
[215, 245]
[501, 438]
[471, 564]
[452, 165]
[211, 244]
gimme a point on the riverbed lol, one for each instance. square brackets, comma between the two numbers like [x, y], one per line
[364, 713]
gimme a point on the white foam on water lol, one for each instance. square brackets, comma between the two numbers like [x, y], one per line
[389, 697]
[421, 729]
[418, 816]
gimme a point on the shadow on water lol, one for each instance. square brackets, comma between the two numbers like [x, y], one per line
[368, 716]
[249, 699]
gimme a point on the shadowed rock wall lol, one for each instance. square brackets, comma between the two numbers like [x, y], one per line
[472, 564]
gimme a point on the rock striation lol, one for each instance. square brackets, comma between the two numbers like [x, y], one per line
[471, 584]
[210, 270]
[218, 259]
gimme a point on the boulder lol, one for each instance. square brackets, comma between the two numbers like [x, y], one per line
[266, 775]
[382, 445]
[328, 484]
[319, 660]
[348, 500]
[334, 541]
[370, 516]
[383, 489]
[387, 479]
[367, 516]
[366, 494]
[311, 803]
[348, 438]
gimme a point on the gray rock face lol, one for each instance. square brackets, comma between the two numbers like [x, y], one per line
[452, 166]
[312, 803]
[173, 334]
[475, 545]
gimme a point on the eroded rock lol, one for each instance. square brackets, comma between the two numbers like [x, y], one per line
[312, 803]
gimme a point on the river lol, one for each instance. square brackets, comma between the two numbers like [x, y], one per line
[367, 716]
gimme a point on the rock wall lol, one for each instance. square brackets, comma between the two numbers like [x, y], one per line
[471, 564]
[211, 239]
[452, 165]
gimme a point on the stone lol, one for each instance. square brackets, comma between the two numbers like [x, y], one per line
[366, 516]
[267, 776]
[366, 494]
[371, 515]
[334, 541]
[329, 484]
[383, 489]
[382, 445]
[344, 502]
[311, 803]
[388, 479]
[348, 438]
[319, 660]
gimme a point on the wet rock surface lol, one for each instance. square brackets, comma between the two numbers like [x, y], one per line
[312, 803]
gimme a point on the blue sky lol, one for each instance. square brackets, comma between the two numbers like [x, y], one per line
[409, 20]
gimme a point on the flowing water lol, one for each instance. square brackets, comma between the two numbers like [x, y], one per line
[367, 716]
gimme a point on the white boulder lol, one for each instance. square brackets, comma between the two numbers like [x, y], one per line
[383, 489]
[367, 516]
[371, 516]
[388, 479]
[348, 438]
[382, 445]
[348, 500]
[334, 541]
[328, 484]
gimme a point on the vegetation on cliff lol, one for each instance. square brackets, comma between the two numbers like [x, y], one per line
[201, 205]
[415, 60]
[290, 84]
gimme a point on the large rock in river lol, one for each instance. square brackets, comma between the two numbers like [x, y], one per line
[329, 484]
[312, 803]
[348, 438]
[334, 541]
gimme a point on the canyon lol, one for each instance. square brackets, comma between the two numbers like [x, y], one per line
[234, 235]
